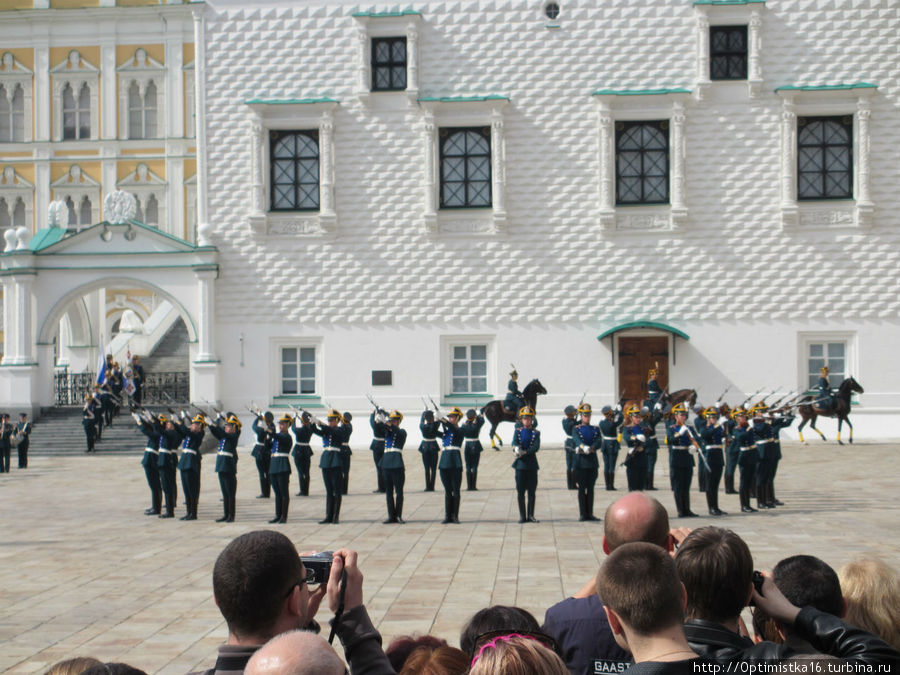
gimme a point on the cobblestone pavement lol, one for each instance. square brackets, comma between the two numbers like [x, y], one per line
[86, 573]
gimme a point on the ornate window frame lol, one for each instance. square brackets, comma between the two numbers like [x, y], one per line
[12, 74]
[807, 338]
[636, 106]
[143, 183]
[290, 115]
[13, 188]
[404, 23]
[731, 13]
[824, 100]
[479, 111]
[78, 185]
[141, 69]
[76, 71]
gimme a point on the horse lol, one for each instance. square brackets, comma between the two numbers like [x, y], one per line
[496, 413]
[840, 409]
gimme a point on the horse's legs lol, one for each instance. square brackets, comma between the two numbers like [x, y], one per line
[800, 429]
[494, 435]
[812, 425]
[847, 420]
[840, 424]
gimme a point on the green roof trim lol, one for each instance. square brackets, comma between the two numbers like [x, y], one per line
[46, 237]
[729, 2]
[289, 101]
[463, 99]
[640, 92]
[387, 15]
[644, 324]
[826, 87]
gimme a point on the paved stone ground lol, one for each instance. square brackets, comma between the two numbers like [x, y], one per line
[85, 573]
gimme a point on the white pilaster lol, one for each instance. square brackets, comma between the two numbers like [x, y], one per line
[679, 207]
[10, 330]
[108, 121]
[41, 188]
[498, 170]
[175, 197]
[42, 93]
[25, 319]
[206, 289]
[605, 161]
[200, 106]
[429, 184]
[174, 100]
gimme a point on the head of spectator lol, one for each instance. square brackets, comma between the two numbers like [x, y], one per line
[514, 654]
[871, 590]
[716, 568]
[113, 669]
[296, 653]
[74, 666]
[401, 647]
[636, 517]
[442, 660]
[496, 618]
[644, 602]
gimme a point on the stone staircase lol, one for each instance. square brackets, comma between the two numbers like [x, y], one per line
[172, 352]
[59, 432]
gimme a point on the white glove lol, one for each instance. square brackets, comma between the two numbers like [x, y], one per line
[582, 449]
[137, 418]
[683, 431]
[618, 407]
[640, 438]
[219, 415]
[314, 419]
[658, 406]
[692, 450]
[517, 451]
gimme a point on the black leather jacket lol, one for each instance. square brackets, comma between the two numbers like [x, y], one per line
[825, 632]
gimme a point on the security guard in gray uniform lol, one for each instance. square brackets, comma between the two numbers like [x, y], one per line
[393, 468]
[280, 468]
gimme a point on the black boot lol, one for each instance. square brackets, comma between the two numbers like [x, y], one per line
[170, 506]
[762, 501]
[277, 511]
[523, 518]
[775, 501]
[570, 480]
[531, 518]
[391, 509]
[475, 480]
[582, 516]
[232, 509]
[448, 508]
[719, 512]
[589, 507]
[329, 510]
[304, 486]
[648, 482]
[192, 509]
[456, 501]
[187, 509]
[225, 509]
[336, 518]
[745, 501]
[264, 487]
[611, 484]
[284, 509]
[729, 485]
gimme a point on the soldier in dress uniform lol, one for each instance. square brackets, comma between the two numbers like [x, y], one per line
[825, 399]
[429, 447]
[346, 452]
[6, 433]
[89, 421]
[514, 399]
[169, 442]
[732, 451]
[781, 419]
[23, 433]
[137, 379]
[190, 461]
[525, 444]
[393, 468]
[450, 465]
[98, 412]
[226, 462]
[634, 435]
[609, 434]
[652, 416]
[699, 424]
[472, 448]
[742, 443]
[333, 437]
[150, 460]
[302, 451]
[586, 439]
[712, 436]
[568, 423]
[682, 446]
[280, 468]
[263, 427]
[378, 422]
[764, 439]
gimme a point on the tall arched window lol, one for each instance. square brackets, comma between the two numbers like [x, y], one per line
[151, 212]
[18, 219]
[12, 113]
[76, 112]
[85, 217]
[142, 111]
[465, 167]
[80, 213]
[5, 221]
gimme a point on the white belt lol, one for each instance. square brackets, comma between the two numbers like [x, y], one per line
[193, 452]
[280, 454]
[376, 438]
[609, 438]
[450, 447]
[226, 454]
[165, 451]
[153, 450]
[752, 447]
[681, 447]
[393, 449]
[761, 442]
[708, 447]
[304, 445]
[331, 448]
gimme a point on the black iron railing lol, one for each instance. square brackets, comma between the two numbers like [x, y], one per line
[158, 389]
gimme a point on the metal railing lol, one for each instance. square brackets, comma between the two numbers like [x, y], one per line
[158, 388]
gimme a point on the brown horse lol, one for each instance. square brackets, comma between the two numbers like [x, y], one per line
[840, 409]
[496, 413]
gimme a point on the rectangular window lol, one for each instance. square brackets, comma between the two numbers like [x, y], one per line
[76, 108]
[642, 162]
[295, 170]
[465, 167]
[832, 354]
[728, 52]
[825, 157]
[298, 370]
[469, 369]
[389, 64]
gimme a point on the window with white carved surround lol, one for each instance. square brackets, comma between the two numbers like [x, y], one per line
[291, 115]
[634, 106]
[76, 99]
[142, 101]
[399, 24]
[458, 113]
[716, 13]
[816, 101]
[16, 200]
[81, 193]
[16, 93]
[150, 192]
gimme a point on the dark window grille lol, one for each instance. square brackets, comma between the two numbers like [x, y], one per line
[389, 64]
[158, 388]
[465, 167]
[642, 162]
[551, 9]
[825, 157]
[728, 52]
[295, 170]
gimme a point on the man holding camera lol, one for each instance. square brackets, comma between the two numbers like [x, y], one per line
[261, 587]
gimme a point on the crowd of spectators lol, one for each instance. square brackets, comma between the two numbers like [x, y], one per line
[663, 601]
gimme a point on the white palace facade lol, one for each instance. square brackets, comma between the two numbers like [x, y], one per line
[342, 199]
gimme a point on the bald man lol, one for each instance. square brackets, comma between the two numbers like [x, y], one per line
[579, 624]
[296, 653]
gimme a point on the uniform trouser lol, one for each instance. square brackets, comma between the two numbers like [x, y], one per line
[584, 482]
[472, 456]
[452, 481]
[681, 486]
[713, 477]
[345, 470]
[302, 464]
[168, 484]
[430, 461]
[228, 485]
[394, 480]
[763, 478]
[190, 484]
[333, 479]
[609, 460]
[90, 435]
[731, 462]
[5, 458]
[23, 454]
[263, 459]
[152, 474]
[570, 462]
[651, 465]
[281, 487]
[748, 479]
[702, 474]
[526, 483]
[636, 471]
[377, 454]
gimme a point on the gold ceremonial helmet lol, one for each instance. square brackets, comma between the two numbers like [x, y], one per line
[824, 370]
[396, 415]
[633, 410]
[455, 411]
[711, 411]
[526, 411]
[738, 412]
[335, 415]
[199, 419]
[679, 409]
[233, 420]
[287, 419]
[585, 409]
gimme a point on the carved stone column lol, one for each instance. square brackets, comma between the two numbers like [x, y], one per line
[206, 291]
[789, 208]
[703, 80]
[605, 164]
[412, 59]
[864, 206]
[754, 54]
[430, 182]
[679, 207]
[498, 171]
[326, 133]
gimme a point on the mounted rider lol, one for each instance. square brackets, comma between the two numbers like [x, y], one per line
[514, 400]
[824, 402]
[654, 391]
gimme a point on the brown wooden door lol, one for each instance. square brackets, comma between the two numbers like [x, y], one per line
[636, 356]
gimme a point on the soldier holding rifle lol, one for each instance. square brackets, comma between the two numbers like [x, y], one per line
[150, 460]
[189, 462]
[429, 429]
[263, 426]
[280, 468]
[635, 436]
[226, 461]
[682, 446]
[393, 468]
[333, 436]
[451, 466]
[586, 439]
[302, 451]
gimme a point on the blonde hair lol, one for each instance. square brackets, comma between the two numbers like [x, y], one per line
[517, 655]
[871, 589]
[74, 666]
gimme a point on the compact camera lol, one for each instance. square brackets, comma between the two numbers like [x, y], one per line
[317, 566]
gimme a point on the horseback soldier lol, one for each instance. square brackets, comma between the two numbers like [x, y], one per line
[713, 437]
[263, 426]
[189, 462]
[450, 466]
[654, 391]
[226, 462]
[586, 439]
[635, 435]
[280, 468]
[825, 400]
[609, 430]
[525, 444]
[393, 468]
[568, 423]
[472, 446]
[430, 430]
[682, 446]
[333, 436]
[302, 451]
[514, 400]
